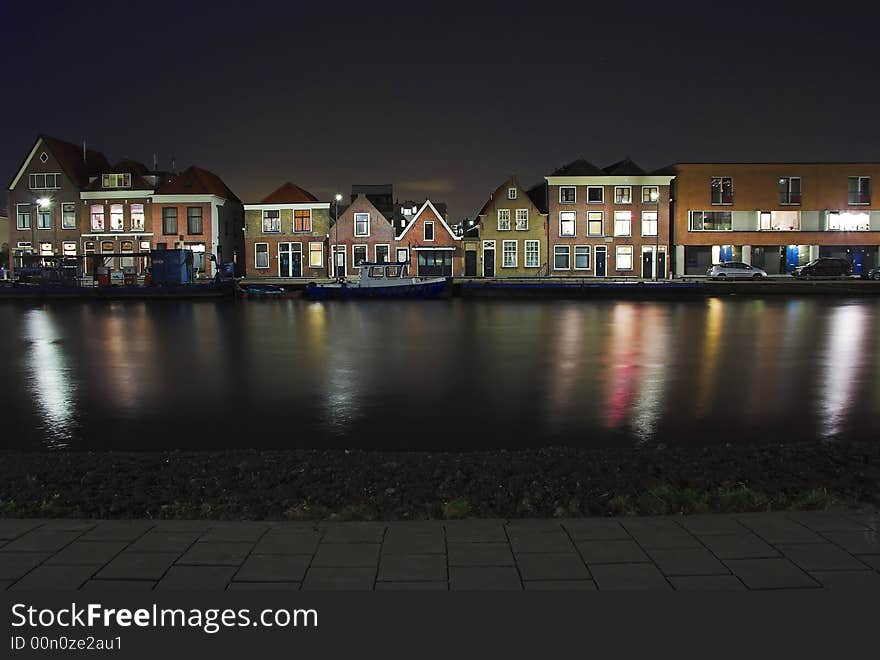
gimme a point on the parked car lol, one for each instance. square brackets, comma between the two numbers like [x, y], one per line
[731, 270]
[824, 267]
[873, 274]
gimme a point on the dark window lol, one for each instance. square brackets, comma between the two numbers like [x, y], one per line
[567, 195]
[193, 220]
[429, 231]
[790, 190]
[169, 220]
[859, 190]
[722, 190]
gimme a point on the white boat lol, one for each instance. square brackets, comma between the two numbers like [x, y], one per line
[381, 280]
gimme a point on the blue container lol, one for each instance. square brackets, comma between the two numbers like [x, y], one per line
[171, 266]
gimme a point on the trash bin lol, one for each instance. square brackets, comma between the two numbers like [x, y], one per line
[103, 274]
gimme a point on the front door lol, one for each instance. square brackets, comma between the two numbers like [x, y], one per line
[661, 265]
[296, 260]
[339, 262]
[489, 259]
[601, 251]
[470, 263]
[647, 265]
[284, 260]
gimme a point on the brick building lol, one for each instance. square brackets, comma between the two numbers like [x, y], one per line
[429, 244]
[362, 233]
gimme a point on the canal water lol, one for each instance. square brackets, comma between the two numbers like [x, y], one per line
[452, 374]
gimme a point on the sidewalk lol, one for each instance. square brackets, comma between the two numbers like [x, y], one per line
[797, 550]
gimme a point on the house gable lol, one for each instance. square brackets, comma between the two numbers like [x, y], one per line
[425, 213]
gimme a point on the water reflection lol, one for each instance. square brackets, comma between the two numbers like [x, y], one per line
[653, 379]
[842, 364]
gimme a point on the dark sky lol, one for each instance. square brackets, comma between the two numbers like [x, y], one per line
[441, 99]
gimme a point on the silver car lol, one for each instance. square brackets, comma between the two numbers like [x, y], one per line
[732, 270]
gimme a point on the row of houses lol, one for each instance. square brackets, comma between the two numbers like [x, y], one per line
[581, 220]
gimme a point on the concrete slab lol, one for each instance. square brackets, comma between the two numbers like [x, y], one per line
[559, 585]
[848, 580]
[821, 557]
[288, 542]
[775, 573]
[88, 553]
[199, 578]
[595, 529]
[687, 561]
[707, 583]
[354, 533]
[866, 542]
[347, 554]
[552, 566]
[550, 541]
[739, 546]
[164, 542]
[475, 531]
[40, 540]
[610, 552]
[484, 578]
[216, 553]
[347, 578]
[273, 568]
[14, 565]
[480, 554]
[137, 566]
[629, 577]
[53, 578]
[404, 568]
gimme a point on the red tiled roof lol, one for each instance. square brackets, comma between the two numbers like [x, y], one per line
[131, 166]
[195, 181]
[289, 193]
[70, 156]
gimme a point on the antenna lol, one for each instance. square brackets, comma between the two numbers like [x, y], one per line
[172, 164]
[155, 162]
[84, 151]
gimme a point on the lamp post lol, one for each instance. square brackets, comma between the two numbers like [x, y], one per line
[42, 203]
[337, 198]
[655, 197]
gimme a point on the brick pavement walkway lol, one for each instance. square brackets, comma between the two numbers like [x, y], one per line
[798, 550]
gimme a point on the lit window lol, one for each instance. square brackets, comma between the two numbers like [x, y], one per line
[508, 254]
[511, 193]
[116, 180]
[623, 223]
[595, 195]
[859, 190]
[68, 215]
[721, 188]
[383, 254]
[533, 256]
[116, 217]
[522, 219]
[169, 220]
[595, 222]
[302, 220]
[582, 257]
[44, 217]
[361, 224]
[710, 221]
[622, 195]
[780, 220]
[566, 223]
[567, 194]
[650, 194]
[624, 259]
[429, 231]
[316, 255]
[137, 217]
[261, 255]
[68, 248]
[649, 223]
[790, 190]
[849, 221]
[503, 219]
[97, 216]
[561, 257]
[46, 249]
[194, 220]
[23, 216]
[272, 221]
[358, 254]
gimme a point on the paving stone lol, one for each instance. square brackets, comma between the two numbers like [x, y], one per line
[200, 526]
[703, 525]
[414, 542]
[40, 540]
[642, 524]
[559, 585]
[848, 580]
[775, 528]
[868, 519]
[292, 542]
[164, 542]
[687, 561]
[138, 566]
[871, 560]
[475, 531]
[88, 552]
[665, 538]
[11, 528]
[625, 577]
[14, 565]
[273, 568]
[483, 578]
[235, 533]
[770, 574]
[70, 525]
[263, 586]
[821, 557]
[707, 583]
[402, 568]
[825, 521]
[339, 579]
[412, 586]
[739, 546]
[207, 553]
[4, 584]
[480, 554]
[51, 578]
[553, 541]
[610, 552]
[347, 554]
[595, 529]
[196, 578]
[118, 585]
[354, 533]
[858, 543]
[533, 525]
[118, 530]
[552, 566]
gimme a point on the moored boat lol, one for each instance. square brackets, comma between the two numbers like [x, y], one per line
[261, 290]
[381, 280]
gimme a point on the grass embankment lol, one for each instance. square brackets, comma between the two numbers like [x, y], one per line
[366, 485]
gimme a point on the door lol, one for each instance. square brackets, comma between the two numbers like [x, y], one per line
[296, 260]
[601, 252]
[470, 263]
[284, 260]
[661, 265]
[726, 253]
[489, 259]
[647, 265]
[339, 262]
[858, 265]
[792, 258]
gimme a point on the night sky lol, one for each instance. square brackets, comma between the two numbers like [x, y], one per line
[440, 99]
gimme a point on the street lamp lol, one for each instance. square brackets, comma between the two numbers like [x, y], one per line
[655, 197]
[42, 203]
[338, 198]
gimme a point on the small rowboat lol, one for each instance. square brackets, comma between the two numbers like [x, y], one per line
[261, 290]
